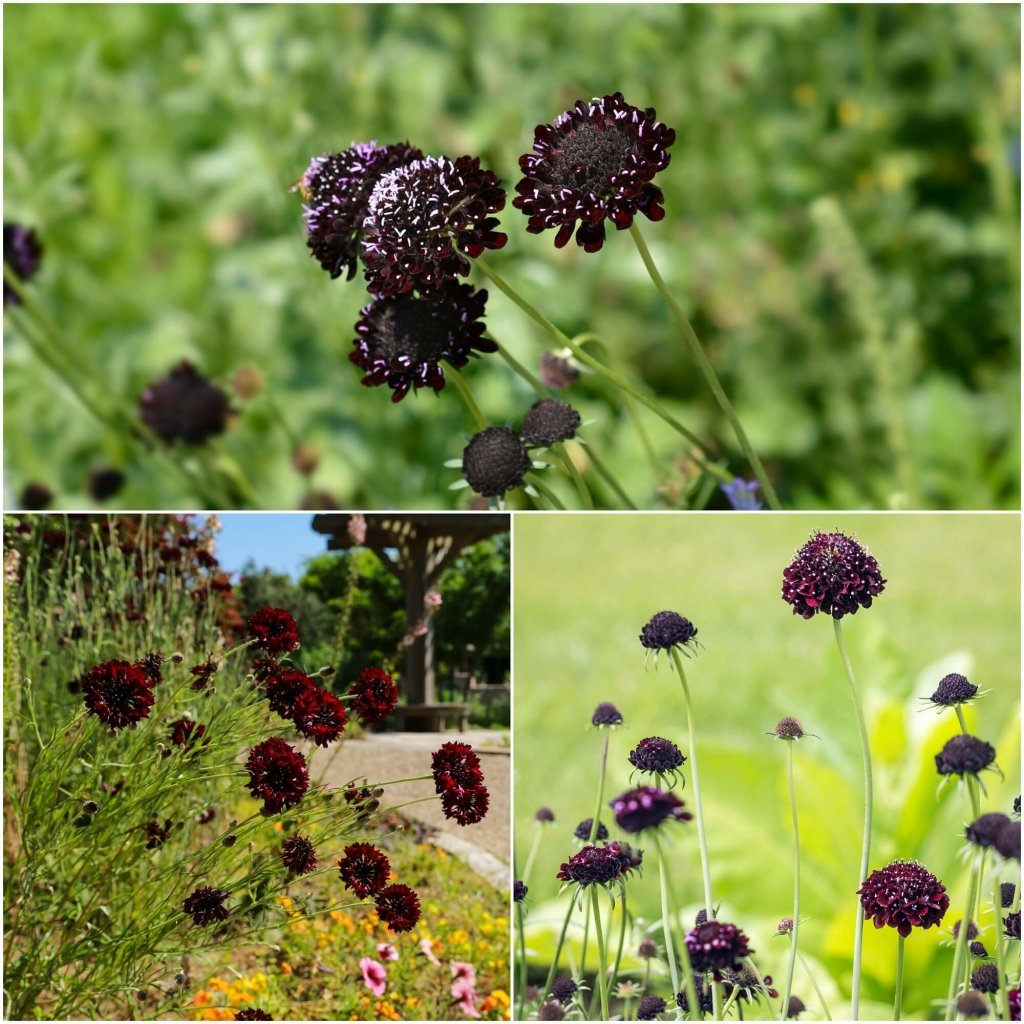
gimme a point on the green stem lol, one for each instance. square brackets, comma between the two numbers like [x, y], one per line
[961, 939]
[865, 853]
[521, 994]
[532, 856]
[705, 867]
[463, 389]
[814, 984]
[558, 950]
[622, 942]
[972, 780]
[602, 981]
[600, 789]
[666, 922]
[710, 377]
[791, 967]
[543, 489]
[1002, 999]
[898, 1003]
[577, 478]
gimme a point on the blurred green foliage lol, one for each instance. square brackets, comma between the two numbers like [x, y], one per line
[951, 603]
[154, 145]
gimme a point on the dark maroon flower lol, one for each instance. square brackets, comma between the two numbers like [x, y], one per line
[953, 689]
[978, 950]
[903, 895]
[319, 715]
[263, 669]
[1006, 893]
[186, 733]
[206, 906]
[563, 989]
[595, 163]
[157, 834]
[1011, 925]
[647, 807]
[457, 763]
[207, 816]
[277, 774]
[35, 496]
[971, 1005]
[705, 999]
[649, 1007]
[336, 188]
[363, 799]
[794, 1008]
[274, 630]
[833, 574]
[549, 421]
[984, 831]
[964, 755]
[583, 830]
[1008, 840]
[23, 253]
[657, 756]
[716, 946]
[253, 1013]
[424, 219]
[105, 482]
[1013, 996]
[789, 729]
[284, 688]
[598, 865]
[519, 891]
[299, 855]
[985, 978]
[203, 673]
[647, 949]
[606, 714]
[544, 815]
[184, 406]
[118, 693]
[398, 907]
[495, 461]
[151, 664]
[374, 695]
[551, 1010]
[557, 372]
[972, 929]
[364, 869]
[402, 340]
[466, 805]
[667, 630]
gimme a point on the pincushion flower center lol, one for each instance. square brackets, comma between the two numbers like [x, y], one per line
[590, 155]
[413, 332]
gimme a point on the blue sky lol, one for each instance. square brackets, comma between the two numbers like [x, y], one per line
[278, 541]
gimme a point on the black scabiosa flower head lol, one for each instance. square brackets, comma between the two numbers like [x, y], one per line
[253, 1013]
[1008, 840]
[105, 481]
[118, 693]
[563, 989]
[277, 774]
[398, 907]
[833, 574]
[519, 891]
[599, 865]
[495, 461]
[647, 950]
[551, 1010]
[274, 630]
[789, 729]
[985, 830]
[424, 219]
[716, 946]
[658, 756]
[584, 828]
[972, 929]
[206, 906]
[795, 1008]
[298, 855]
[319, 715]
[337, 188]
[549, 421]
[705, 999]
[23, 253]
[953, 689]
[667, 631]
[985, 978]
[606, 714]
[964, 755]
[971, 1005]
[184, 406]
[1006, 893]
[402, 340]
[649, 1007]
[647, 807]
[978, 950]
[595, 163]
[374, 695]
[903, 895]
[364, 869]
[544, 815]
[1011, 925]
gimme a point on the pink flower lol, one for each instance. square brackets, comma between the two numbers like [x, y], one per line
[357, 529]
[386, 951]
[464, 994]
[420, 629]
[432, 598]
[462, 973]
[427, 948]
[375, 977]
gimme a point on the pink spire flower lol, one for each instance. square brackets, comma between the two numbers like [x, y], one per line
[375, 977]
[386, 951]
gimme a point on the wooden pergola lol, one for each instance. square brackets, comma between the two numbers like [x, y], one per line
[416, 548]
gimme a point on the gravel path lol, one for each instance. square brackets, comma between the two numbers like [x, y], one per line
[397, 755]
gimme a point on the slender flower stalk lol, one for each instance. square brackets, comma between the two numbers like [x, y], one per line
[521, 993]
[898, 1002]
[596, 821]
[602, 980]
[960, 958]
[865, 854]
[791, 967]
[670, 916]
[532, 855]
[972, 780]
[666, 917]
[1002, 1000]
[814, 984]
[623, 921]
[710, 377]
[558, 951]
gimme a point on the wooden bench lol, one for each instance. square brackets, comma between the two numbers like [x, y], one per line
[435, 715]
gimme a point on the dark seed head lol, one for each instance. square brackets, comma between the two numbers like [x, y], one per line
[184, 406]
[551, 1011]
[549, 421]
[495, 461]
[953, 689]
[23, 253]
[519, 891]
[964, 755]
[972, 1005]
[1007, 891]
[978, 950]
[647, 950]
[985, 978]
[795, 1008]
[563, 989]
[544, 815]
[657, 755]
[667, 630]
[1011, 925]
[789, 729]
[649, 1007]
[584, 827]
[985, 830]
[972, 930]
[557, 372]
[606, 714]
